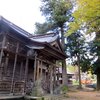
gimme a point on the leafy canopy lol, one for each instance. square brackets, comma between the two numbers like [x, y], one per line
[44, 27]
[78, 46]
[56, 10]
[87, 14]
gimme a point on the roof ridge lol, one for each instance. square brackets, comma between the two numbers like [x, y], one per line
[42, 35]
[15, 26]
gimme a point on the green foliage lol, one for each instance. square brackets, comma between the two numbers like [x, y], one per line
[75, 82]
[56, 10]
[75, 44]
[59, 12]
[85, 64]
[96, 65]
[87, 15]
[71, 68]
[44, 28]
[64, 88]
[56, 13]
[78, 47]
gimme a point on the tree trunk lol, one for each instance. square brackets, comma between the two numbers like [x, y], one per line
[64, 73]
[98, 81]
[79, 73]
[64, 69]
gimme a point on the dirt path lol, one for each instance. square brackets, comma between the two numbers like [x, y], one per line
[83, 95]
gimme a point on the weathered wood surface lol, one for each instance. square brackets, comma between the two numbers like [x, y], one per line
[5, 86]
[17, 68]
[10, 97]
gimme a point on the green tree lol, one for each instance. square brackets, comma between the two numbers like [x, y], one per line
[57, 13]
[44, 27]
[79, 51]
[87, 14]
[96, 65]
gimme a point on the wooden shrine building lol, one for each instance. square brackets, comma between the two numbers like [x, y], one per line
[25, 57]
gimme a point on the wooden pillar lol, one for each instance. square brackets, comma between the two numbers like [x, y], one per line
[38, 65]
[57, 73]
[1, 55]
[35, 64]
[51, 80]
[54, 76]
[26, 73]
[21, 68]
[14, 68]
[64, 73]
[6, 63]
[58, 76]
[45, 76]
[41, 70]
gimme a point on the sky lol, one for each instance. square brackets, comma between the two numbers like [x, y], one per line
[23, 13]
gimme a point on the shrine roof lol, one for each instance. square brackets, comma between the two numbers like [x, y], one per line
[38, 38]
[51, 37]
[32, 41]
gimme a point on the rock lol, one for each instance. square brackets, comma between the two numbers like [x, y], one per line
[37, 90]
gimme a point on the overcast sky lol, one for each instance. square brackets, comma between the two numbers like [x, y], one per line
[23, 13]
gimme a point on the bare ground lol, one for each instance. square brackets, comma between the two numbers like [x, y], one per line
[83, 95]
[76, 94]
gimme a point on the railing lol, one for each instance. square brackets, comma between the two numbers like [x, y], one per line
[19, 87]
[5, 86]
[11, 47]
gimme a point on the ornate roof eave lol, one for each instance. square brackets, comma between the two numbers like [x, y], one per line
[60, 53]
[48, 38]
